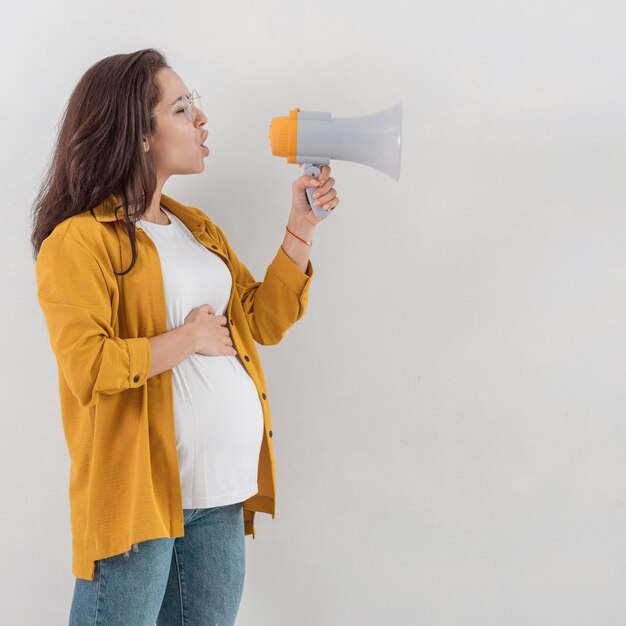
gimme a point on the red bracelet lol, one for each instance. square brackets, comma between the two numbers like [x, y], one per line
[308, 243]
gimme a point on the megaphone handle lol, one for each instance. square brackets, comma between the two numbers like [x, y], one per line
[313, 171]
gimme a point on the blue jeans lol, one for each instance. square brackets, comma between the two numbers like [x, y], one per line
[195, 579]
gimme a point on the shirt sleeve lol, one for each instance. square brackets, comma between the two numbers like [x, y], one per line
[274, 304]
[76, 302]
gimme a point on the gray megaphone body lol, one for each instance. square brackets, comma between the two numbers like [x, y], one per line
[313, 138]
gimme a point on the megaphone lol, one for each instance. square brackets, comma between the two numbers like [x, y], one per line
[313, 138]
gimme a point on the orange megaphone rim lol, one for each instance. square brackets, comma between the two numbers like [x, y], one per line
[283, 136]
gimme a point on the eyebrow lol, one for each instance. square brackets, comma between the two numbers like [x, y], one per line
[179, 98]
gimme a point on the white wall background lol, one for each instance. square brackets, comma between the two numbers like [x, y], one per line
[449, 415]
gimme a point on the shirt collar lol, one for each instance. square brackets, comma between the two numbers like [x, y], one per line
[190, 217]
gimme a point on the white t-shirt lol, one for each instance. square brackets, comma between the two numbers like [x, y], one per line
[217, 409]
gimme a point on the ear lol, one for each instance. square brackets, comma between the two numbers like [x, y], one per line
[146, 145]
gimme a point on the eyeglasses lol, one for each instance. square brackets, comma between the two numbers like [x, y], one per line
[187, 105]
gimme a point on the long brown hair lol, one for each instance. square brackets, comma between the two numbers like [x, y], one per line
[99, 149]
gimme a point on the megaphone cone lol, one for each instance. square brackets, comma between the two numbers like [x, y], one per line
[374, 140]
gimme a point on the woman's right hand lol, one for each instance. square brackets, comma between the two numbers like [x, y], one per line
[211, 338]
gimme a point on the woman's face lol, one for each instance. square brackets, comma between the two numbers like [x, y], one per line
[176, 141]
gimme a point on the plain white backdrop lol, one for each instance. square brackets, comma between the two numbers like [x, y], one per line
[450, 414]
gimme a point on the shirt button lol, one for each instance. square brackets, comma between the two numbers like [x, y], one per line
[231, 322]
[136, 378]
[245, 356]
[271, 434]
[264, 396]
[214, 247]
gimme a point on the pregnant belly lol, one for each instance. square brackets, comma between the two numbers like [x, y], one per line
[216, 399]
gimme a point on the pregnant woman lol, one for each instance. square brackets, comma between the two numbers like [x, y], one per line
[153, 320]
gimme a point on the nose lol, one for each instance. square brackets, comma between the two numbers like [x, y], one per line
[200, 119]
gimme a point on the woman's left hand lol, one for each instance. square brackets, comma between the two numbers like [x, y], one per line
[325, 194]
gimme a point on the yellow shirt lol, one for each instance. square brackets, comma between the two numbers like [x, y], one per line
[119, 425]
